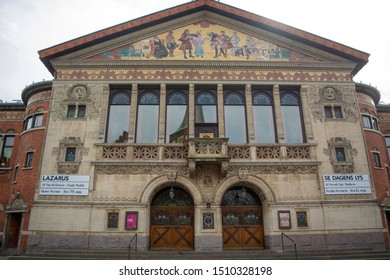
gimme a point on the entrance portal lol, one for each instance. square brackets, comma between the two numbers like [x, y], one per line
[13, 231]
[242, 219]
[172, 220]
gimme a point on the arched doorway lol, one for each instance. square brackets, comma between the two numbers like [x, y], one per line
[242, 219]
[172, 220]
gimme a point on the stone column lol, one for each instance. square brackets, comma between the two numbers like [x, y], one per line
[104, 112]
[249, 114]
[306, 115]
[133, 112]
[278, 115]
[163, 101]
[191, 111]
[221, 118]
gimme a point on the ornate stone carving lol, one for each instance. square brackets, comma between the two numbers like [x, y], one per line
[318, 97]
[285, 168]
[69, 167]
[341, 166]
[239, 152]
[107, 168]
[265, 152]
[76, 94]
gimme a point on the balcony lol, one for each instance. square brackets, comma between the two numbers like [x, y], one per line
[215, 151]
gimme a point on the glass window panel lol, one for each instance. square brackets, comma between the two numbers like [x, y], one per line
[121, 99]
[289, 99]
[149, 99]
[9, 141]
[264, 124]
[261, 99]
[206, 114]
[38, 120]
[71, 111]
[338, 112]
[206, 98]
[147, 124]
[234, 99]
[29, 157]
[177, 123]
[377, 161]
[81, 111]
[292, 124]
[387, 141]
[235, 124]
[367, 122]
[29, 122]
[177, 98]
[340, 154]
[118, 124]
[328, 112]
[70, 154]
[375, 124]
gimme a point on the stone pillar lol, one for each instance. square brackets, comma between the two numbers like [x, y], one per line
[249, 114]
[306, 115]
[191, 111]
[133, 112]
[161, 125]
[278, 115]
[221, 118]
[103, 116]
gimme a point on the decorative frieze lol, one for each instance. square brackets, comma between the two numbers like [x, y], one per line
[159, 169]
[277, 168]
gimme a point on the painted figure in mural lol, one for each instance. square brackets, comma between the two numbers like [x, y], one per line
[159, 50]
[235, 40]
[171, 43]
[220, 44]
[244, 51]
[198, 42]
[185, 40]
[252, 45]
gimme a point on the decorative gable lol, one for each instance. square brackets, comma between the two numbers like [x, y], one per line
[204, 40]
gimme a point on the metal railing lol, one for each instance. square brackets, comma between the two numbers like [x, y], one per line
[133, 239]
[295, 244]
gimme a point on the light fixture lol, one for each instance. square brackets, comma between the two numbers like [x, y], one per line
[172, 193]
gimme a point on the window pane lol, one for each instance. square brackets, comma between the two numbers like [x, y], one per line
[71, 111]
[375, 124]
[367, 122]
[377, 161]
[292, 124]
[147, 124]
[70, 154]
[328, 112]
[338, 112]
[81, 111]
[118, 124]
[177, 124]
[29, 122]
[264, 124]
[340, 154]
[38, 120]
[235, 124]
[29, 157]
[206, 114]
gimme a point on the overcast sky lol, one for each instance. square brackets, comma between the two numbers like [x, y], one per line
[27, 26]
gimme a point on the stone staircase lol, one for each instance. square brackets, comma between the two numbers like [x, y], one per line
[321, 254]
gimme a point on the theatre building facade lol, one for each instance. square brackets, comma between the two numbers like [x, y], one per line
[204, 127]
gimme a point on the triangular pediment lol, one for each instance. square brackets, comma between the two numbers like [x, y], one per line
[204, 40]
[212, 31]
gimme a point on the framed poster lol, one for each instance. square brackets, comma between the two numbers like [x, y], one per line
[112, 221]
[284, 218]
[208, 220]
[131, 222]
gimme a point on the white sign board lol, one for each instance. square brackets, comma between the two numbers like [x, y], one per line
[347, 184]
[64, 185]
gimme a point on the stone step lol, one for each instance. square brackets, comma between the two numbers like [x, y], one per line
[323, 254]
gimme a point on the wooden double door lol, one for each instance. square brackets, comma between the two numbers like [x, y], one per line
[172, 228]
[242, 227]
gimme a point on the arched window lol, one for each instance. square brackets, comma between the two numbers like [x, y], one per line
[177, 117]
[119, 117]
[235, 120]
[206, 124]
[147, 120]
[263, 116]
[292, 116]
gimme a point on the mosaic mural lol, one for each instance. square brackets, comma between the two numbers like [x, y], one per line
[204, 41]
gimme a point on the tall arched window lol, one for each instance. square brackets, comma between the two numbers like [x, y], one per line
[119, 117]
[206, 124]
[235, 120]
[263, 116]
[292, 116]
[177, 117]
[147, 120]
